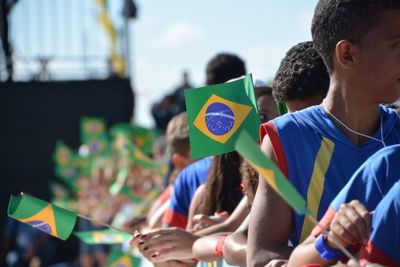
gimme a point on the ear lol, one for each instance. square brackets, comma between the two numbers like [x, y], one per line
[345, 54]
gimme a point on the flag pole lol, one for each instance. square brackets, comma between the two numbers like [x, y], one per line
[102, 223]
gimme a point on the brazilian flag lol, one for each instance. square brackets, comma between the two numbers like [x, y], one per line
[116, 187]
[119, 259]
[142, 137]
[62, 154]
[42, 215]
[122, 142]
[273, 176]
[218, 113]
[97, 144]
[106, 236]
[127, 192]
[91, 126]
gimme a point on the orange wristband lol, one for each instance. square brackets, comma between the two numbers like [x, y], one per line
[219, 246]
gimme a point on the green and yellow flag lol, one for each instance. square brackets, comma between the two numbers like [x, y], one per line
[218, 113]
[106, 236]
[42, 215]
[274, 177]
[98, 145]
[119, 183]
[142, 137]
[282, 108]
[62, 154]
[119, 259]
[91, 126]
[127, 192]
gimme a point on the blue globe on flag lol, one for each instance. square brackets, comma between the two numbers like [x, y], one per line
[219, 118]
[42, 226]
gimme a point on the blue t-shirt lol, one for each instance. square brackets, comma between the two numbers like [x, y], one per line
[384, 244]
[319, 159]
[372, 180]
[186, 184]
[369, 184]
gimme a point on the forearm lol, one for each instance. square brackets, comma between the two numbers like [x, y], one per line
[155, 219]
[263, 256]
[235, 249]
[204, 248]
[307, 254]
[231, 224]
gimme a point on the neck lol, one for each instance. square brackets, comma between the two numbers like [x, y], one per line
[353, 109]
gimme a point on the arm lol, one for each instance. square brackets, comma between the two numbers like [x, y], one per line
[204, 247]
[155, 219]
[194, 206]
[176, 213]
[270, 222]
[235, 246]
[232, 223]
[350, 226]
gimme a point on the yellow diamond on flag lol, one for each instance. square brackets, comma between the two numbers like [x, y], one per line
[124, 261]
[43, 220]
[107, 238]
[219, 118]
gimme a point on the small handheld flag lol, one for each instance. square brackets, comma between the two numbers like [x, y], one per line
[91, 126]
[218, 113]
[107, 236]
[118, 258]
[274, 177]
[42, 215]
[282, 108]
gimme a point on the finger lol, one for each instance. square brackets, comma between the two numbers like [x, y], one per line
[359, 226]
[347, 218]
[198, 227]
[339, 229]
[199, 217]
[160, 245]
[151, 240]
[365, 216]
[208, 221]
[169, 254]
[135, 239]
[224, 215]
[160, 232]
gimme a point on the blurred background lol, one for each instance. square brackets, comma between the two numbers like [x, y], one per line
[61, 60]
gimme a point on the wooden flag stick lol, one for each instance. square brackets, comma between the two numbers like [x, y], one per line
[334, 240]
[102, 223]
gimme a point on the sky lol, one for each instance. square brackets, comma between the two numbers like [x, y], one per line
[167, 38]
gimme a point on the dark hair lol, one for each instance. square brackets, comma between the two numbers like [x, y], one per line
[263, 91]
[249, 181]
[222, 188]
[336, 20]
[224, 67]
[301, 75]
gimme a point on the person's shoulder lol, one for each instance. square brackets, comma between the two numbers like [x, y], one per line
[306, 117]
[198, 167]
[389, 152]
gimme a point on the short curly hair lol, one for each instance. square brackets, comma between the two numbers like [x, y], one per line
[301, 75]
[336, 20]
[223, 67]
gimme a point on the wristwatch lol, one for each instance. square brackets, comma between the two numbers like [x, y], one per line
[325, 251]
